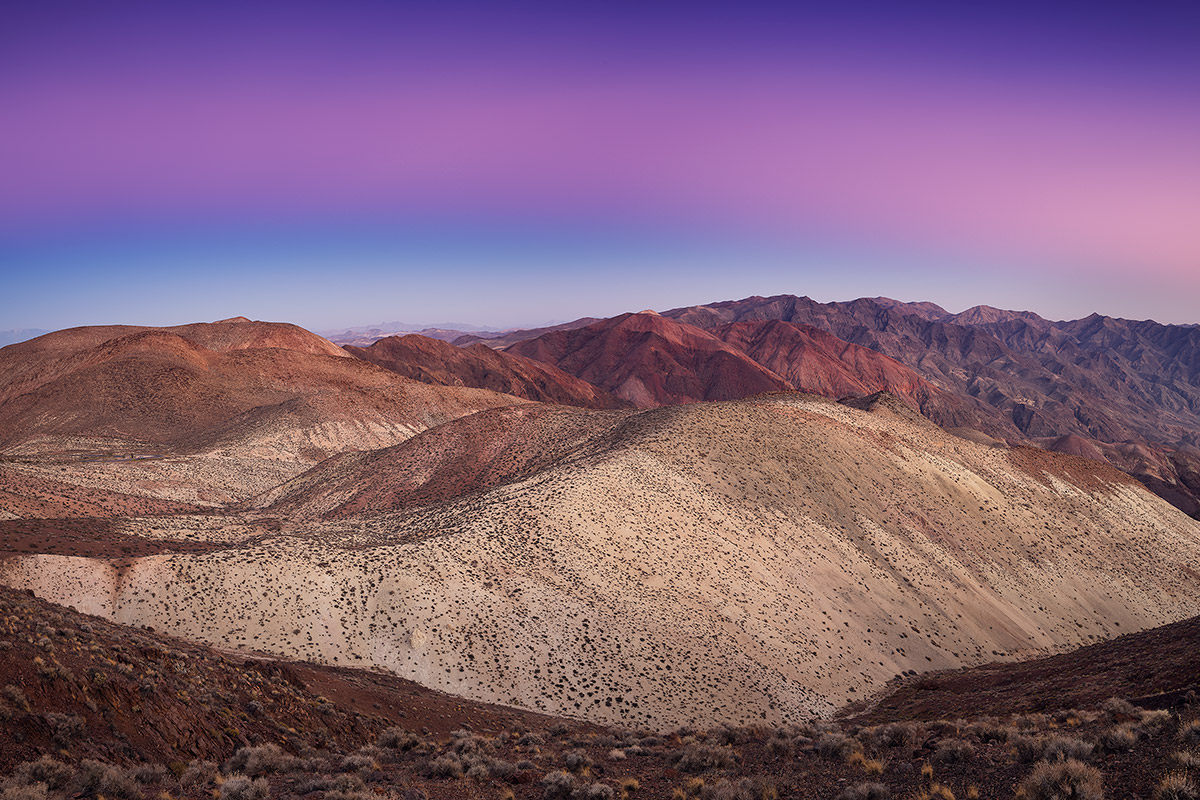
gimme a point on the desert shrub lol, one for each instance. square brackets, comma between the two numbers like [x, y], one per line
[398, 739]
[866, 791]
[1177, 786]
[199, 773]
[467, 742]
[531, 740]
[558, 786]
[1064, 748]
[98, 778]
[150, 774]
[837, 745]
[1064, 780]
[779, 746]
[594, 791]
[55, 774]
[1050, 748]
[265, 759]
[65, 728]
[989, 730]
[577, 762]
[1190, 732]
[446, 766]
[346, 784]
[616, 754]
[1118, 708]
[18, 791]
[702, 758]
[953, 751]
[894, 734]
[357, 762]
[242, 787]
[1117, 740]
[17, 697]
[1188, 759]
[339, 794]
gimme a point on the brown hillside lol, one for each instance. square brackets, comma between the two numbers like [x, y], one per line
[479, 366]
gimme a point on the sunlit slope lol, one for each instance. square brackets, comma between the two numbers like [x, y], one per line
[765, 559]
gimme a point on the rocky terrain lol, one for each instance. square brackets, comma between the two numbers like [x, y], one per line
[620, 557]
[93, 709]
[479, 366]
[1131, 387]
[766, 560]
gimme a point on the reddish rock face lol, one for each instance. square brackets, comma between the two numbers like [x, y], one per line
[1113, 381]
[164, 389]
[479, 366]
[649, 361]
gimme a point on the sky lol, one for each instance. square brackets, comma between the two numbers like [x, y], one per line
[338, 164]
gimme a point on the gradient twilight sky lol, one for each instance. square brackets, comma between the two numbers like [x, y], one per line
[345, 163]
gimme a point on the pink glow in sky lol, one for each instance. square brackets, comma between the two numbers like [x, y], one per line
[145, 121]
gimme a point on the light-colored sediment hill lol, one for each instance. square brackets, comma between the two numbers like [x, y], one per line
[760, 560]
[205, 414]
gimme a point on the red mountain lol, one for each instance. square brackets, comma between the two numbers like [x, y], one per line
[649, 361]
[818, 362]
[191, 388]
[479, 366]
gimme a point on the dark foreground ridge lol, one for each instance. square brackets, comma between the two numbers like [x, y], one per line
[92, 709]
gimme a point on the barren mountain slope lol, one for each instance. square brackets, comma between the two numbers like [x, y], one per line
[650, 361]
[757, 560]
[247, 389]
[816, 361]
[1113, 380]
[479, 366]
[481, 451]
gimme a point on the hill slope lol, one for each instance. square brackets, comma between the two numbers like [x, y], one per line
[760, 560]
[250, 389]
[650, 361]
[479, 366]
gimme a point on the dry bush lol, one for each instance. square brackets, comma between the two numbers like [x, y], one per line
[577, 762]
[55, 774]
[1064, 780]
[1190, 732]
[265, 759]
[446, 766]
[1188, 759]
[398, 739]
[1117, 740]
[702, 758]
[99, 778]
[242, 787]
[558, 786]
[33, 791]
[199, 773]
[150, 774]
[989, 730]
[742, 789]
[894, 734]
[1177, 786]
[1118, 708]
[837, 745]
[953, 751]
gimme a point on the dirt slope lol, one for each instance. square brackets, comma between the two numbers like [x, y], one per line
[479, 366]
[650, 361]
[235, 388]
[760, 560]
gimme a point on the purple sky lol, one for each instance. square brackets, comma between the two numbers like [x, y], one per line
[179, 161]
